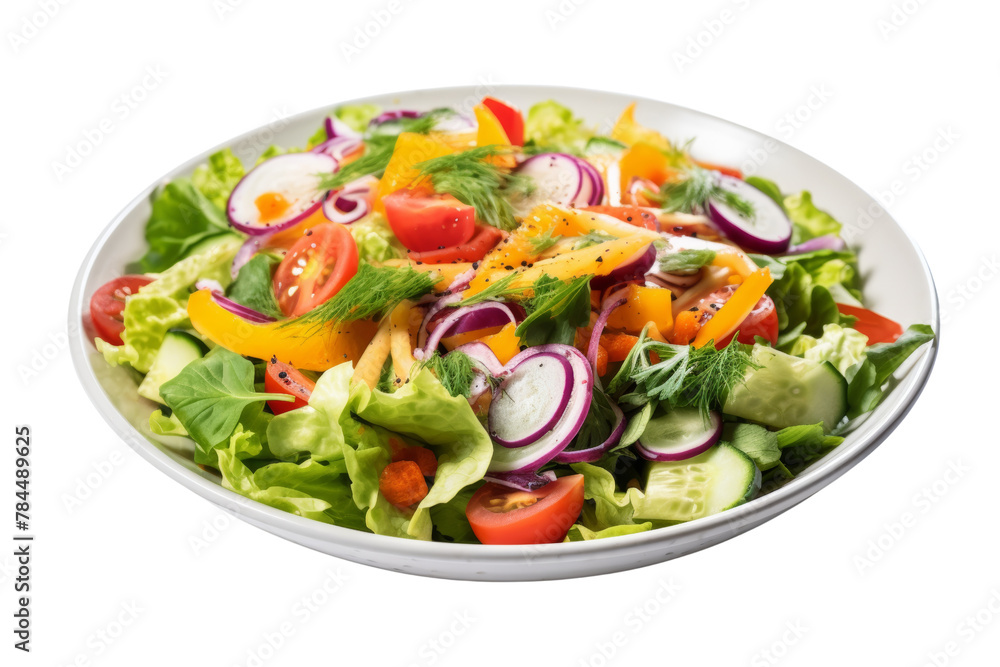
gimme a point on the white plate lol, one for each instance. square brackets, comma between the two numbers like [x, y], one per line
[898, 284]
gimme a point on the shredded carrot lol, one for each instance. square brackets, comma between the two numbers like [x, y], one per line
[370, 364]
[602, 360]
[422, 456]
[618, 345]
[402, 483]
[686, 327]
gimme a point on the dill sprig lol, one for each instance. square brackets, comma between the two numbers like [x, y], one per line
[472, 179]
[685, 376]
[372, 292]
[693, 191]
[379, 146]
[498, 290]
[454, 371]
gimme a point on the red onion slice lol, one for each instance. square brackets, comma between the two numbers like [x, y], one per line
[247, 251]
[469, 318]
[338, 128]
[826, 242]
[558, 178]
[595, 335]
[592, 454]
[522, 481]
[633, 269]
[294, 176]
[338, 147]
[482, 355]
[395, 114]
[248, 314]
[352, 203]
[209, 284]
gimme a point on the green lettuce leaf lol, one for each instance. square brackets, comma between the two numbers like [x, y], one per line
[253, 287]
[449, 518]
[611, 508]
[808, 222]
[865, 380]
[376, 242]
[551, 125]
[841, 346]
[757, 442]
[770, 188]
[357, 116]
[218, 177]
[162, 304]
[182, 218]
[580, 533]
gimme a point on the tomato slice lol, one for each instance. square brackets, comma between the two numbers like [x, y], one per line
[282, 378]
[315, 268]
[762, 320]
[424, 222]
[502, 515]
[510, 119]
[635, 215]
[482, 241]
[108, 303]
[879, 329]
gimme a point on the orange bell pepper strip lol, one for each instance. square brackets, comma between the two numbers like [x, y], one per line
[686, 327]
[642, 305]
[736, 309]
[504, 344]
[304, 346]
[411, 149]
[646, 162]
[618, 345]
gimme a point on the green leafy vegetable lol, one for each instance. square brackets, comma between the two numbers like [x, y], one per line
[218, 177]
[210, 394]
[686, 262]
[770, 188]
[756, 442]
[603, 146]
[808, 222]
[555, 311]
[373, 291]
[591, 239]
[842, 347]
[580, 533]
[472, 180]
[453, 371]
[498, 290]
[376, 242]
[182, 218]
[357, 116]
[695, 188]
[610, 508]
[543, 242]
[253, 289]
[866, 379]
[554, 126]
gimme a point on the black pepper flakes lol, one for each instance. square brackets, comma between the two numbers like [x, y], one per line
[282, 375]
[600, 259]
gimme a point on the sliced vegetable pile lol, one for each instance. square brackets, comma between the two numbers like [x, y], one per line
[498, 329]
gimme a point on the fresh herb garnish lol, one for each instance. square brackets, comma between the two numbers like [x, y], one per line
[591, 239]
[209, 395]
[472, 179]
[253, 289]
[498, 290]
[685, 376]
[453, 371]
[543, 241]
[373, 291]
[686, 261]
[693, 191]
[555, 311]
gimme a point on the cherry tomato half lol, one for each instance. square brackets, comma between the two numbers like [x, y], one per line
[424, 222]
[502, 515]
[482, 242]
[315, 268]
[510, 119]
[635, 215]
[108, 303]
[284, 379]
[762, 320]
[879, 329]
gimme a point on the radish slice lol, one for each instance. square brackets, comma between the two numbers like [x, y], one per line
[533, 456]
[558, 179]
[530, 400]
[338, 147]
[294, 176]
[678, 435]
[483, 357]
[633, 269]
[597, 183]
[522, 481]
[768, 231]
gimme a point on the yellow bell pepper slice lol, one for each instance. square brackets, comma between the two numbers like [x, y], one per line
[642, 305]
[629, 132]
[736, 309]
[305, 346]
[411, 149]
[646, 161]
[504, 344]
[446, 272]
[491, 133]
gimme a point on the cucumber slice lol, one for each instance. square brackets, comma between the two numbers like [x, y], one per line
[789, 391]
[177, 351]
[716, 480]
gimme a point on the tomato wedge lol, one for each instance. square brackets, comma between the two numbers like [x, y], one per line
[284, 379]
[635, 215]
[424, 222]
[108, 303]
[879, 329]
[482, 241]
[510, 119]
[315, 268]
[502, 515]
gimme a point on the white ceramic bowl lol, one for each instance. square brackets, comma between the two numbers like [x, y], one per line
[890, 262]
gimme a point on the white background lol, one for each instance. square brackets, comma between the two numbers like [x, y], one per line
[856, 585]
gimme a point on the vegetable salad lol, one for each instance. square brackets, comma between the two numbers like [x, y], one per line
[496, 327]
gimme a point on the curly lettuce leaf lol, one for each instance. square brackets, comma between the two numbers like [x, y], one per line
[866, 379]
[357, 116]
[580, 533]
[182, 218]
[162, 305]
[808, 221]
[217, 178]
[551, 125]
[376, 242]
[610, 508]
[842, 347]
